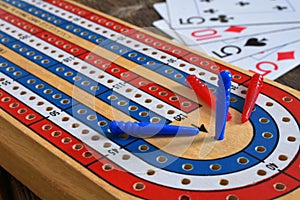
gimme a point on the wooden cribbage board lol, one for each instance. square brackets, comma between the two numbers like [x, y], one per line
[67, 70]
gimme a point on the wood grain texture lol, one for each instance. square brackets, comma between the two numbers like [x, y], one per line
[48, 176]
[137, 12]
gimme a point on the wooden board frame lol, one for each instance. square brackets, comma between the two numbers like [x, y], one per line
[50, 173]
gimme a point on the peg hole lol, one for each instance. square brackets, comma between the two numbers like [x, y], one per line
[286, 119]
[185, 181]
[224, 182]
[261, 172]
[282, 157]
[139, 186]
[279, 186]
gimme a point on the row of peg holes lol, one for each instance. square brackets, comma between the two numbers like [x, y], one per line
[67, 140]
[68, 7]
[217, 167]
[53, 51]
[97, 29]
[153, 52]
[22, 24]
[135, 108]
[57, 11]
[84, 83]
[58, 42]
[15, 105]
[178, 76]
[104, 66]
[264, 120]
[48, 91]
[164, 93]
[162, 57]
[138, 95]
[84, 33]
[78, 78]
[101, 123]
[277, 186]
[40, 103]
[84, 131]
[109, 23]
[44, 15]
[186, 181]
[157, 44]
[212, 67]
[285, 99]
[181, 65]
[11, 30]
[31, 53]
[94, 17]
[10, 69]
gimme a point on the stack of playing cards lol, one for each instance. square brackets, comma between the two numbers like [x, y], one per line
[262, 36]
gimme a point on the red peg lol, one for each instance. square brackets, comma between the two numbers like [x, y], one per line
[203, 92]
[254, 89]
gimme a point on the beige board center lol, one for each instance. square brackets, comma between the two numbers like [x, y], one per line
[204, 146]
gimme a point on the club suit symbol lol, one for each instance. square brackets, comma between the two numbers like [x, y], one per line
[221, 18]
[211, 11]
[280, 8]
[242, 3]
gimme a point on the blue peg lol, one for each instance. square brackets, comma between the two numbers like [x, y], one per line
[147, 129]
[222, 103]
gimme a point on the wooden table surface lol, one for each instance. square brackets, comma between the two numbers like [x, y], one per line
[137, 12]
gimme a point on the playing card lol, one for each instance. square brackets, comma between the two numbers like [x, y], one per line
[233, 50]
[195, 36]
[208, 35]
[272, 64]
[217, 13]
[207, 7]
[163, 26]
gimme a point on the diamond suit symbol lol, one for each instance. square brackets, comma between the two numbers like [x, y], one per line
[288, 55]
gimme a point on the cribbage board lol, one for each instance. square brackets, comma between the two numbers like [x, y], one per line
[67, 70]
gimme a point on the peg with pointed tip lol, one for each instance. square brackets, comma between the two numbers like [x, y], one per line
[203, 92]
[222, 103]
[253, 91]
[147, 129]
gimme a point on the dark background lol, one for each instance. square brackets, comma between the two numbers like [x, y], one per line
[139, 13]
